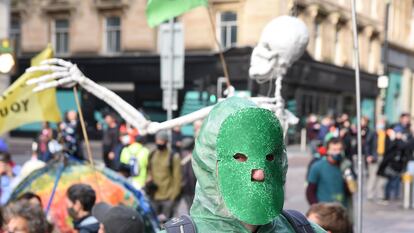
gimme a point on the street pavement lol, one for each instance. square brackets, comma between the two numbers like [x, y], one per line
[391, 218]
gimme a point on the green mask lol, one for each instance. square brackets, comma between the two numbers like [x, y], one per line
[250, 143]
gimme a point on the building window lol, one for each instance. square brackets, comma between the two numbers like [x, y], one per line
[371, 55]
[411, 35]
[338, 49]
[113, 35]
[15, 34]
[61, 36]
[227, 28]
[359, 6]
[374, 9]
[318, 40]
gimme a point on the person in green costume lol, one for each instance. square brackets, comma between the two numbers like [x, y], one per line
[240, 163]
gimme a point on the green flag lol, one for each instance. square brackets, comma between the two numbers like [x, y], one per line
[159, 11]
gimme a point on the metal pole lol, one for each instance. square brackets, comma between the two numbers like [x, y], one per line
[387, 12]
[171, 78]
[407, 180]
[303, 140]
[4, 33]
[386, 66]
[358, 106]
[4, 18]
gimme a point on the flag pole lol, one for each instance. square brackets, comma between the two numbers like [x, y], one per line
[221, 55]
[358, 106]
[85, 136]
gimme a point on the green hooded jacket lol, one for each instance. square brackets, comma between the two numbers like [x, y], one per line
[209, 211]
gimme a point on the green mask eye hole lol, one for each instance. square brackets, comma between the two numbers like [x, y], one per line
[240, 157]
[270, 157]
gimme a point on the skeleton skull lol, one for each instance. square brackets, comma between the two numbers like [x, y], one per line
[282, 42]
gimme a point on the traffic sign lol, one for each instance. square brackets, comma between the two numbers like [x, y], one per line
[171, 48]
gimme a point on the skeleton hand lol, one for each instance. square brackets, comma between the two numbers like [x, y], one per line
[64, 74]
[67, 74]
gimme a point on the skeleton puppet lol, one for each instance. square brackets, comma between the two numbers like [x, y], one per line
[282, 42]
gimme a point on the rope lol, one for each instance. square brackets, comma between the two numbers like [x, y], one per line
[222, 60]
[85, 135]
[55, 185]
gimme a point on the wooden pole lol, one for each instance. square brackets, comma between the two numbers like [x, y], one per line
[85, 136]
[222, 60]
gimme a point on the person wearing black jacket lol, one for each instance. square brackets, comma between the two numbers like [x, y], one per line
[394, 162]
[110, 140]
[80, 200]
[369, 151]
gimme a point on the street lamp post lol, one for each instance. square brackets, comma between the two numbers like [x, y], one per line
[359, 212]
[6, 59]
[4, 33]
[384, 80]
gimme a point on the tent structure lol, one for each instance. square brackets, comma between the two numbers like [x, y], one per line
[109, 186]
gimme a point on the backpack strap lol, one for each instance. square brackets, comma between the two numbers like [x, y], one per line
[183, 224]
[298, 221]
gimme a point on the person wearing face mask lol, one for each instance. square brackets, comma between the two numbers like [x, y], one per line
[110, 137]
[133, 160]
[70, 134]
[164, 177]
[80, 200]
[369, 143]
[325, 178]
[240, 164]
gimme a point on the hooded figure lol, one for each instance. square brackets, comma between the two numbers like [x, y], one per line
[240, 163]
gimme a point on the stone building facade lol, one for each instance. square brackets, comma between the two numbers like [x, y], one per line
[111, 37]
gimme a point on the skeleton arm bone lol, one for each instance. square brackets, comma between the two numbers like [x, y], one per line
[133, 116]
[186, 119]
[74, 75]
[127, 112]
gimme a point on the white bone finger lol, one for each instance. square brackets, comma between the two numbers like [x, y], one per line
[64, 81]
[69, 85]
[57, 61]
[45, 86]
[46, 68]
[48, 77]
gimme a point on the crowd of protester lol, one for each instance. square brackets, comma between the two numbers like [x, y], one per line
[386, 151]
[26, 215]
[125, 151]
[165, 173]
